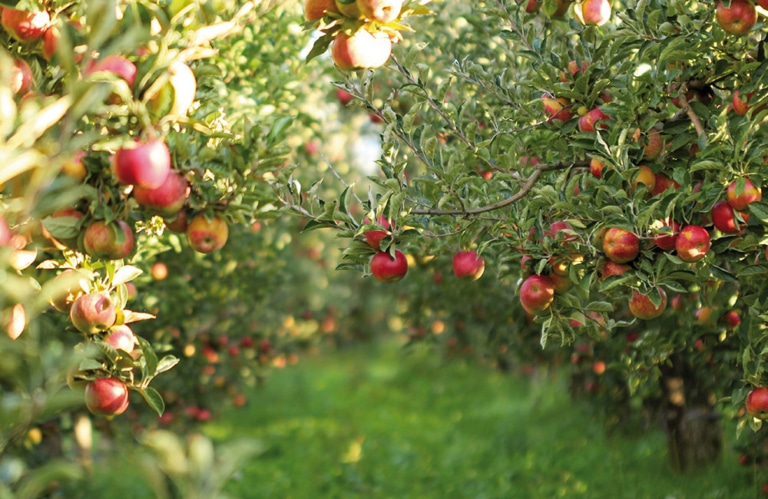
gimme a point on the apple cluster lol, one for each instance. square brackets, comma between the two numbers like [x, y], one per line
[586, 12]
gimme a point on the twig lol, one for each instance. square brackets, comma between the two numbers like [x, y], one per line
[686, 107]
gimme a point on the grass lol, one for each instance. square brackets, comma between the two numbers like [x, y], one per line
[375, 422]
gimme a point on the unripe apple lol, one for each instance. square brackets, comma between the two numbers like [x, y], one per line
[166, 200]
[536, 293]
[361, 50]
[692, 243]
[757, 402]
[25, 26]
[68, 290]
[468, 265]
[207, 235]
[317, 9]
[93, 313]
[21, 77]
[110, 241]
[388, 269]
[348, 8]
[106, 396]
[740, 199]
[723, 218]
[593, 12]
[739, 18]
[121, 338]
[144, 164]
[383, 11]
[621, 245]
[74, 167]
[642, 307]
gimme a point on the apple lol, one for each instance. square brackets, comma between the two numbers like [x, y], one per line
[468, 265]
[93, 313]
[573, 69]
[110, 241]
[557, 109]
[166, 200]
[763, 4]
[207, 235]
[589, 122]
[143, 164]
[121, 338]
[740, 199]
[740, 107]
[610, 268]
[115, 64]
[383, 11]
[179, 223]
[5, 232]
[50, 42]
[388, 269]
[361, 50]
[348, 8]
[593, 12]
[374, 237]
[703, 315]
[666, 241]
[536, 293]
[738, 19]
[692, 243]
[25, 26]
[757, 402]
[653, 144]
[74, 167]
[645, 176]
[732, 318]
[317, 9]
[176, 97]
[106, 396]
[598, 367]
[661, 182]
[21, 77]
[621, 245]
[68, 290]
[344, 96]
[641, 306]
[159, 271]
[531, 6]
[723, 217]
[596, 168]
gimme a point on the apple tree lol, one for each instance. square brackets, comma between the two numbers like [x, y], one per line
[605, 160]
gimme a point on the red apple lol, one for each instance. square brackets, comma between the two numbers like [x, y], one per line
[121, 338]
[653, 144]
[361, 50]
[763, 4]
[166, 200]
[732, 318]
[374, 237]
[740, 107]
[666, 241]
[644, 176]
[596, 168]
[115, 64]
[531, 6]
[740, 199]
[610, 268]
[383, 11]
[692, 243]
[50, 42]
[468, 265]
[110, 241]
[144, 164]
[642, 307]
[21, 77]
[5, 232]
[621, 245]
[25, 26]
[598, 367]
[593, 12]
[590, 121]
[388, 269]
[573, 69]
[739, 18]
[93, 313]
[106, 396]
[159, 271]
[537, 293]
[757, 402]
[207, 235]
[661, 182]
[557, 108]
[344, 96]
[723, 217]
[179, 223]
[317, 9]
[559, 226]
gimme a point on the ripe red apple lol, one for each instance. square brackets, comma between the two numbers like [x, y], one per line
[344, 96]
[110, 241]
[573, 69]
[557, 108]
[740, 107]
[590, 121]
[692, 243]
[763, 4]
[166, 200]
[723, 217]
[739, 18]
[159, 271]
[666, 241]
[598, 367]
[596, 168]
[536, 293]
[593, 12]
[93, 313]
[374, 237]
[388, 269]
[145, 164]
[757, 402]
[661, 182]
[106, 396]
[361, 50]
[468, 265]
[559, 226]
[5, 232]
[610, 268]
[121, 338]
[383, 11]
[621, 245]
[317, 9]
[740, 199]
[21, 77]
[641, 306]
[25, 26]
[179, 223]
[50, 42]
[206, 235]
[531, 6]
[115, 64]
[653, 144]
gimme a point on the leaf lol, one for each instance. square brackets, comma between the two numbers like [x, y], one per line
[153, 399]
[320, 46]
[150, 358]
[166, 363]
[131, 316]
[125, 274]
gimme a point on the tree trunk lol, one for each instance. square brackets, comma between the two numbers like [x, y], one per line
[692, 423]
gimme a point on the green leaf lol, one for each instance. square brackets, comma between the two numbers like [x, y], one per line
[153, 399]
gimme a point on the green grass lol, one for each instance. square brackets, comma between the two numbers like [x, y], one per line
[378, 423]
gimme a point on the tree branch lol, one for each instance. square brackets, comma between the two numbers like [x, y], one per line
[686, 107]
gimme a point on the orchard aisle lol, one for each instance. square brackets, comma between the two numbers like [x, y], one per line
[378, 422]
